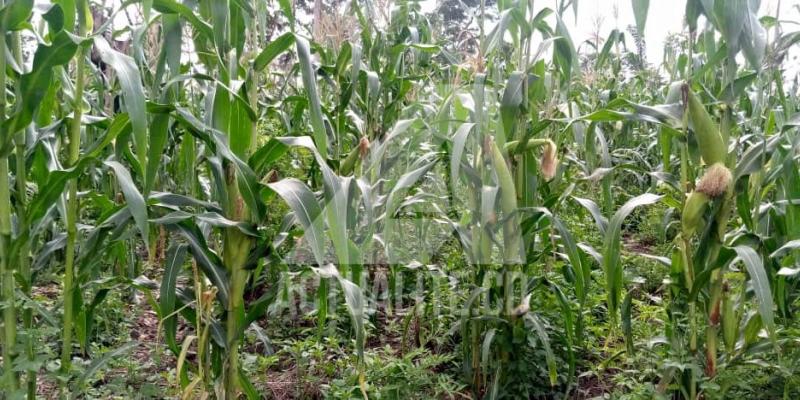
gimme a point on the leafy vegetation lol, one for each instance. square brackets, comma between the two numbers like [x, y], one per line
[255, 199]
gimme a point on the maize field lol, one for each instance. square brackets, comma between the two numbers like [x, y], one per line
[399, 199]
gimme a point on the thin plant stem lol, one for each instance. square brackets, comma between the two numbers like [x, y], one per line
[72, 199]
[6, 269]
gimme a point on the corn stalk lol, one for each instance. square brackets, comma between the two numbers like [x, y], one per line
[82, 18]
[7, 295]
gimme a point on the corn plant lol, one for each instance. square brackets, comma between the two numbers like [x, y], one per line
[210, 160]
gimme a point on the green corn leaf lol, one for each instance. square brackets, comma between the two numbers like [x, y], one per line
[15, 13]
[172, 200]
[582, 272]
[640, 8]
[242, 102]
[173, 7]
[597, 214]
[266, 155]
[354, 299]
[247, 181]
[98, 363]
[715, 59]
[693, 10]
[785, 249]
[486, 347]
[611, 249]
[627, 323]
[510, 107]
[272, 50]
[307, 211]
[132, 92]
[133, 198]
[54, 188]
[229, 118]
[238, 10]
[310, 84]
[392, 203]
[732, 91]
[119, 125]
[172, 43]
[286, 8]
[729, 18]
[569, 326]
[614, 37]
[208, 261]
[211, 218]
[61, 16]
[753, 158]
[754, 43]
[247, 387]
[495, 36]
[550, 358]
[176, 255]
[35, 85]
[336, 198]
[565, 55]
[158, 140]
[459, 142]
[258, 308]
[758, 278]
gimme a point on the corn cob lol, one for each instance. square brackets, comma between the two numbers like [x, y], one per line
[359, 152]
[508, 195]
[711, 351]
[692, 214]
[709, 139]
[508, 204]
[514, 145]
[730, 320]
[714, 183]
[549, 161]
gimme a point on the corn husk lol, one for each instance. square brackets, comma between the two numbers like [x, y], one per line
[713, 148]
[692, 216]
[549, 161]
[730, 321]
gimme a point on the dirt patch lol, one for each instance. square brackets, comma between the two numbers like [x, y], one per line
[46, 388]
[286, 385]
[146, 331]
[638, 244]
[591, 385]
[51, 291]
